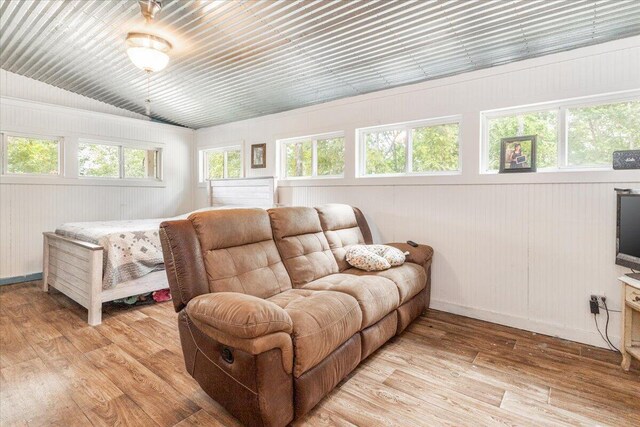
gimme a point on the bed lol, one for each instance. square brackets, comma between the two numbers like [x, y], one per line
[96, 262]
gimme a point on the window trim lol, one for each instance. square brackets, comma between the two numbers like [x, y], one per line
[282, 143]
[407, 127]
[121, 170]
[562, 132]
[202, 155]
[4, 164]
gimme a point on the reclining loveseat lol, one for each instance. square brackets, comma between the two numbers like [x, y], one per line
[271, 316]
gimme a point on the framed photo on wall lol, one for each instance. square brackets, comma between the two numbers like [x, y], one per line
[518, 154]
[258, 156]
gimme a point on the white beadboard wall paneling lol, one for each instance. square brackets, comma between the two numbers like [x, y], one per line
[17, 86]
[523, 250]
[525, 255]
[30, 207]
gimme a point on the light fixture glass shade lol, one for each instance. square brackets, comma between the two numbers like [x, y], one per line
[148, 52]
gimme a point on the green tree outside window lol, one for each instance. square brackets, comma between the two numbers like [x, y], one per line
[386, 152]
[595, 132]
[99, 160]
[299, 158]
[299, 161]
[435, 148]
[217, 159]
[215, 162]
[135, 161]
[330, 156]
[234, 164]
[32, 156]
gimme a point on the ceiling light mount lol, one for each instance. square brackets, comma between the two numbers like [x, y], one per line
[149, 8]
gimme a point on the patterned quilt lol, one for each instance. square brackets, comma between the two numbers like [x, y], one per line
[131, 248]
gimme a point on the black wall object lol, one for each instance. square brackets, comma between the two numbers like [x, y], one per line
[626, 159]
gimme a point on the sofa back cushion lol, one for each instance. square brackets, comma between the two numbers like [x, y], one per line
[239, 252]
[302, 244]
[183, 261]
[342, 230]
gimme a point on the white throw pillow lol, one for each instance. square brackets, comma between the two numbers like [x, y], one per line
[374, 257]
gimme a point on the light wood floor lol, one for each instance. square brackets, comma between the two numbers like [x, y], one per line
[445, 370]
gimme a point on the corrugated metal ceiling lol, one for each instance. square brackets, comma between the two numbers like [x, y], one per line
[236, 59]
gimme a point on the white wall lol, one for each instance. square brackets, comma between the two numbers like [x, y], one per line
[30, 206]
[524, 250]
[17, 86]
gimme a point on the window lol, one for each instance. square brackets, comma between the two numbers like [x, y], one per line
[321, 156]
[330, 157]
[97, 160]
[30, 155]
[595, 132]
[140, 163]
[385, 152]
[435, 148]
[542, 123]
[413, 148]
[221, 163]
[569, 135]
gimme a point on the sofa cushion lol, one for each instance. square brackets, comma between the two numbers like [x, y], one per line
[409, 278]
[239, 252]
[341, 228]
[302, 244]
[322, 321]
[225, 228]
[239, 315]
[376, 296]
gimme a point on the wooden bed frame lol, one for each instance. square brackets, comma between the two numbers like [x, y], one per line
[74, 267]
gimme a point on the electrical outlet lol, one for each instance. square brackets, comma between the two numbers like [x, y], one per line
[595, 301]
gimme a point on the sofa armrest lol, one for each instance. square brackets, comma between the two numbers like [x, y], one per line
[239, 315]
[420, 255]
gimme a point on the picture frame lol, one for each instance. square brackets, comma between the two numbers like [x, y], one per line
[518, 154]
[258, 156]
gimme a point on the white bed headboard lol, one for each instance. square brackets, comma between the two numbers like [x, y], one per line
[250, 192]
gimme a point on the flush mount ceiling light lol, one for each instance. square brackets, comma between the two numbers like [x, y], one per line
[148, 52]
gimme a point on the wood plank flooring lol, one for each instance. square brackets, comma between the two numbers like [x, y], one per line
[444, 370]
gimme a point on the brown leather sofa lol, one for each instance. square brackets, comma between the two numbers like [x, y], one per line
[271, 316]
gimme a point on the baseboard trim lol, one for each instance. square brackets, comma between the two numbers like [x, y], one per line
[578, 335]
[20, 279]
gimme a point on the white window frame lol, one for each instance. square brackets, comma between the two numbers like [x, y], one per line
[407, 127]
[562, 131]
[202, 163]
[5, 157]
[121, 174]
[282, 143]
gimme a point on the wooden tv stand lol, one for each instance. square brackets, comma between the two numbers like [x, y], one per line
[630, 339]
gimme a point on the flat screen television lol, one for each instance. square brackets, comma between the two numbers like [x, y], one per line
[628, 229]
